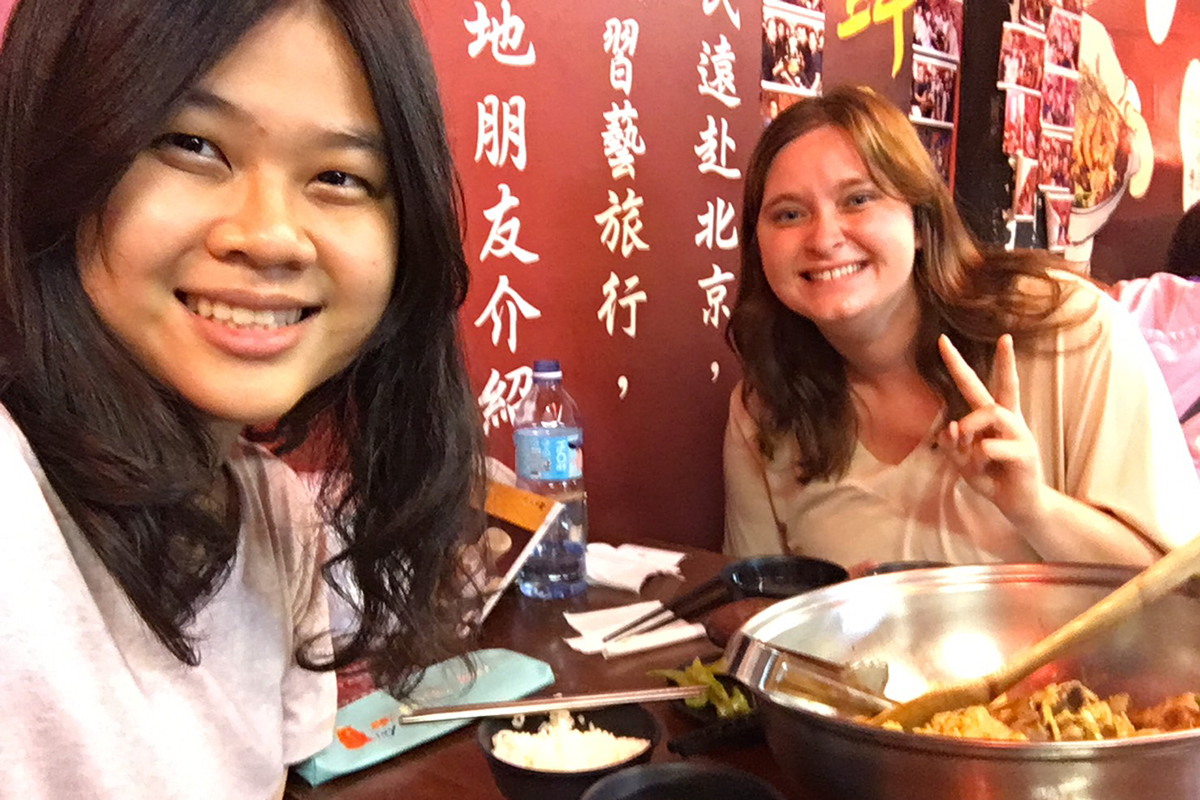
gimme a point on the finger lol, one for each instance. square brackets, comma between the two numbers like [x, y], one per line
[995, 421]
[948, 438]
[973, 390]
[972, 466]
[1006, 384]
[1003, 451]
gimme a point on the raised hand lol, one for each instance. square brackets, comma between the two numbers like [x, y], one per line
[992, 446]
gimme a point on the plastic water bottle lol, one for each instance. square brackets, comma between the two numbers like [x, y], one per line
[548, 438]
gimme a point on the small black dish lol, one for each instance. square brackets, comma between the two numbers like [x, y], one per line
[721, 734]
[682, 781]
[779, 576]
[521, 783]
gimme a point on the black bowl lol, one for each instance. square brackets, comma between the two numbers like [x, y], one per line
[682, 781]
[521, 783]
[779, 576]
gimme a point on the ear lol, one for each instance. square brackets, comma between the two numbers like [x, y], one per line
[87, 238]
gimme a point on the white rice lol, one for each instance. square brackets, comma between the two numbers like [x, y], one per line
[558, 746]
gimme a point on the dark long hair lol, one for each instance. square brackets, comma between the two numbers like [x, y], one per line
[1183, 253]
[85, 86]
[797, 380]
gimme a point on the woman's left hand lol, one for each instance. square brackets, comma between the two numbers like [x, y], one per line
[992, 446]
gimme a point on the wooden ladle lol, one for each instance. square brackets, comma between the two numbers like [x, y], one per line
[1152, 583]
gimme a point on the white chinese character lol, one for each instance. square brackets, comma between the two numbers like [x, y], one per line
[714, 148]
[621, 139]
[620, 39]
[513, 304]
[608, 310]
[734, 16]
[715, 291]
[499, 397]
[501, 133]
[721, 58]
[504, 35]
[502, 239]
[622, 223]
[715, 224]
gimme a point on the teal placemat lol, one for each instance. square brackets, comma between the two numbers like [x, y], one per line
[367, 730]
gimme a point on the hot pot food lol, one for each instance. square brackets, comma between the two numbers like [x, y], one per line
[1114, 720]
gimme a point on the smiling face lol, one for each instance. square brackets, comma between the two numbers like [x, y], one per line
[835, 248]
[248, 253]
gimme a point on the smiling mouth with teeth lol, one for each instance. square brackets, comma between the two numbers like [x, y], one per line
[834, 274]
[238, 317]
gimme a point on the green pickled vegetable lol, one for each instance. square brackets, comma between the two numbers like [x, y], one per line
[725, 702]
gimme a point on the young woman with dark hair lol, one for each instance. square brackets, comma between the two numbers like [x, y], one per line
[218, 216]
[865, 313]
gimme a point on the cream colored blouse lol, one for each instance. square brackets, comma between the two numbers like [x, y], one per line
[1106, 431]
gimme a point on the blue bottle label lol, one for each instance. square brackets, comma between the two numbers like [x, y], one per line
[550, 456]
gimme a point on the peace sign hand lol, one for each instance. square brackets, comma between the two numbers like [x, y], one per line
[992, 446]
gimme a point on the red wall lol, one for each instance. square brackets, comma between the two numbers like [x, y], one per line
[653, 457]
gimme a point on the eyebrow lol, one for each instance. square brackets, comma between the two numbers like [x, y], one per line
[841, 186]
[341, 138]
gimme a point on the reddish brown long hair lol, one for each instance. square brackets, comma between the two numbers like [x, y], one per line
[970, 293]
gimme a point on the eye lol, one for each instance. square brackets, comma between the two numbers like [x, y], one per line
[786, 214]
[188, 143]
[346, 181]
[859, 199]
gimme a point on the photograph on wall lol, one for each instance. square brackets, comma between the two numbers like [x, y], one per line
[1031, 126]
[939, 144]
[1025, 178]
[1062, 40]
[1058, 98]
[1022, 122]
[1021, 57]
[933, 90]
[1014, 120]
[1032, 12]
[938, 27]
[1054, 160]
[793, 49]
[773, 102]
[1057, 205]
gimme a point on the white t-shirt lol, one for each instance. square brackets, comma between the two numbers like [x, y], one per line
[1106, 433]
[95, 707]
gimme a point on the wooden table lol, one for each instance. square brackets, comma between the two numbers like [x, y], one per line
[453, 768]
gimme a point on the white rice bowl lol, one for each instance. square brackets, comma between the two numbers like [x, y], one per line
[558, 745]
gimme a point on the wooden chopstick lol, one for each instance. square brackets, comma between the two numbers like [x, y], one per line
[687, 603]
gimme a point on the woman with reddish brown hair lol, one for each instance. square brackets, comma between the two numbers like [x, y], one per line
[867, 316]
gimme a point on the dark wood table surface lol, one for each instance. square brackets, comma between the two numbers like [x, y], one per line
[454, 768]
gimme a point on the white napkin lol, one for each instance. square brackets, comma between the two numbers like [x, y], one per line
[594, 625]
[628, 566]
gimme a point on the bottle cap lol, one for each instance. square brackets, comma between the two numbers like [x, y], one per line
[547, 368]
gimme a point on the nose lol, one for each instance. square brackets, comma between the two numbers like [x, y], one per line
[262, 226]
[825, 234]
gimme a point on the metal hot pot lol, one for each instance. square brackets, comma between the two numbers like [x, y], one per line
[944, 624]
